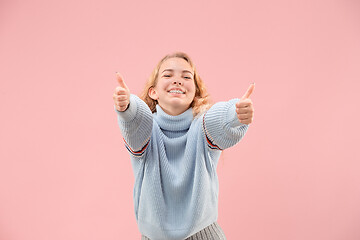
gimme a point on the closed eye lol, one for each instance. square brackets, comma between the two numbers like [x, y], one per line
[170, 76]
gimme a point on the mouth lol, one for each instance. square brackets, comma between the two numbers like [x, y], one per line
[176, 91]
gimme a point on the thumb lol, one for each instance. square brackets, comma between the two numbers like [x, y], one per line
[120, 80]
[249, 91]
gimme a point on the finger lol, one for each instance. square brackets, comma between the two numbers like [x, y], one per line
[246, 121]
[123, 107]
[120, 80]
[122, 98]
[243, 103]
[121, 91]
[121, 103]
[119, 100]
[249, 91]
[243, 116]
[243, 110]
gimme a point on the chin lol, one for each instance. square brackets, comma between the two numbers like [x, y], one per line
[179, 103]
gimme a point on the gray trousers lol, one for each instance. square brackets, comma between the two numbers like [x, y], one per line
[211, 232]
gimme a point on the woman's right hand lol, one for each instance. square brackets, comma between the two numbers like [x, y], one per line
[121, 95]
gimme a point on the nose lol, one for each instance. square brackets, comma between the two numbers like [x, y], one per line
[177, 82]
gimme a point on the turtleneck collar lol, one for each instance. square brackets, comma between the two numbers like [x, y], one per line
[173, 123]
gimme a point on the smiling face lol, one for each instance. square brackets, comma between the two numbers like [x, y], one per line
[175, 88]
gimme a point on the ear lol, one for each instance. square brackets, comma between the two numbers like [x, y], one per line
[153, 94]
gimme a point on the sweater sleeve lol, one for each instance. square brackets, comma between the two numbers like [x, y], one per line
[222, 127]
[136, 125]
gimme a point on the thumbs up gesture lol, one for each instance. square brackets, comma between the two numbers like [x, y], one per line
[244, 108]
[121, 95]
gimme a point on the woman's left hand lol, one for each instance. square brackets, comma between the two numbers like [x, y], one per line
[244, 108]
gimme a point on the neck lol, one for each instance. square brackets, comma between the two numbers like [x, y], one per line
[173, 111]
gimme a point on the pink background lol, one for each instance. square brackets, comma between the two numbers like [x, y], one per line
[64, 171]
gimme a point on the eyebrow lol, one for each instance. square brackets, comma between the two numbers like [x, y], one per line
[171, 70]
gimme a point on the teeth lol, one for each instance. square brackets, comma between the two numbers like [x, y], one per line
[176, 91]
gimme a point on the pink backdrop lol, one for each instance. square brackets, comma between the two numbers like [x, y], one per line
[64, 172]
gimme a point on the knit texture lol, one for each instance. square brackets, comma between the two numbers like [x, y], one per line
[211, 232]
[174, 161]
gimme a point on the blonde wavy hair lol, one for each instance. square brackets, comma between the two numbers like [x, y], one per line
[201, 102]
